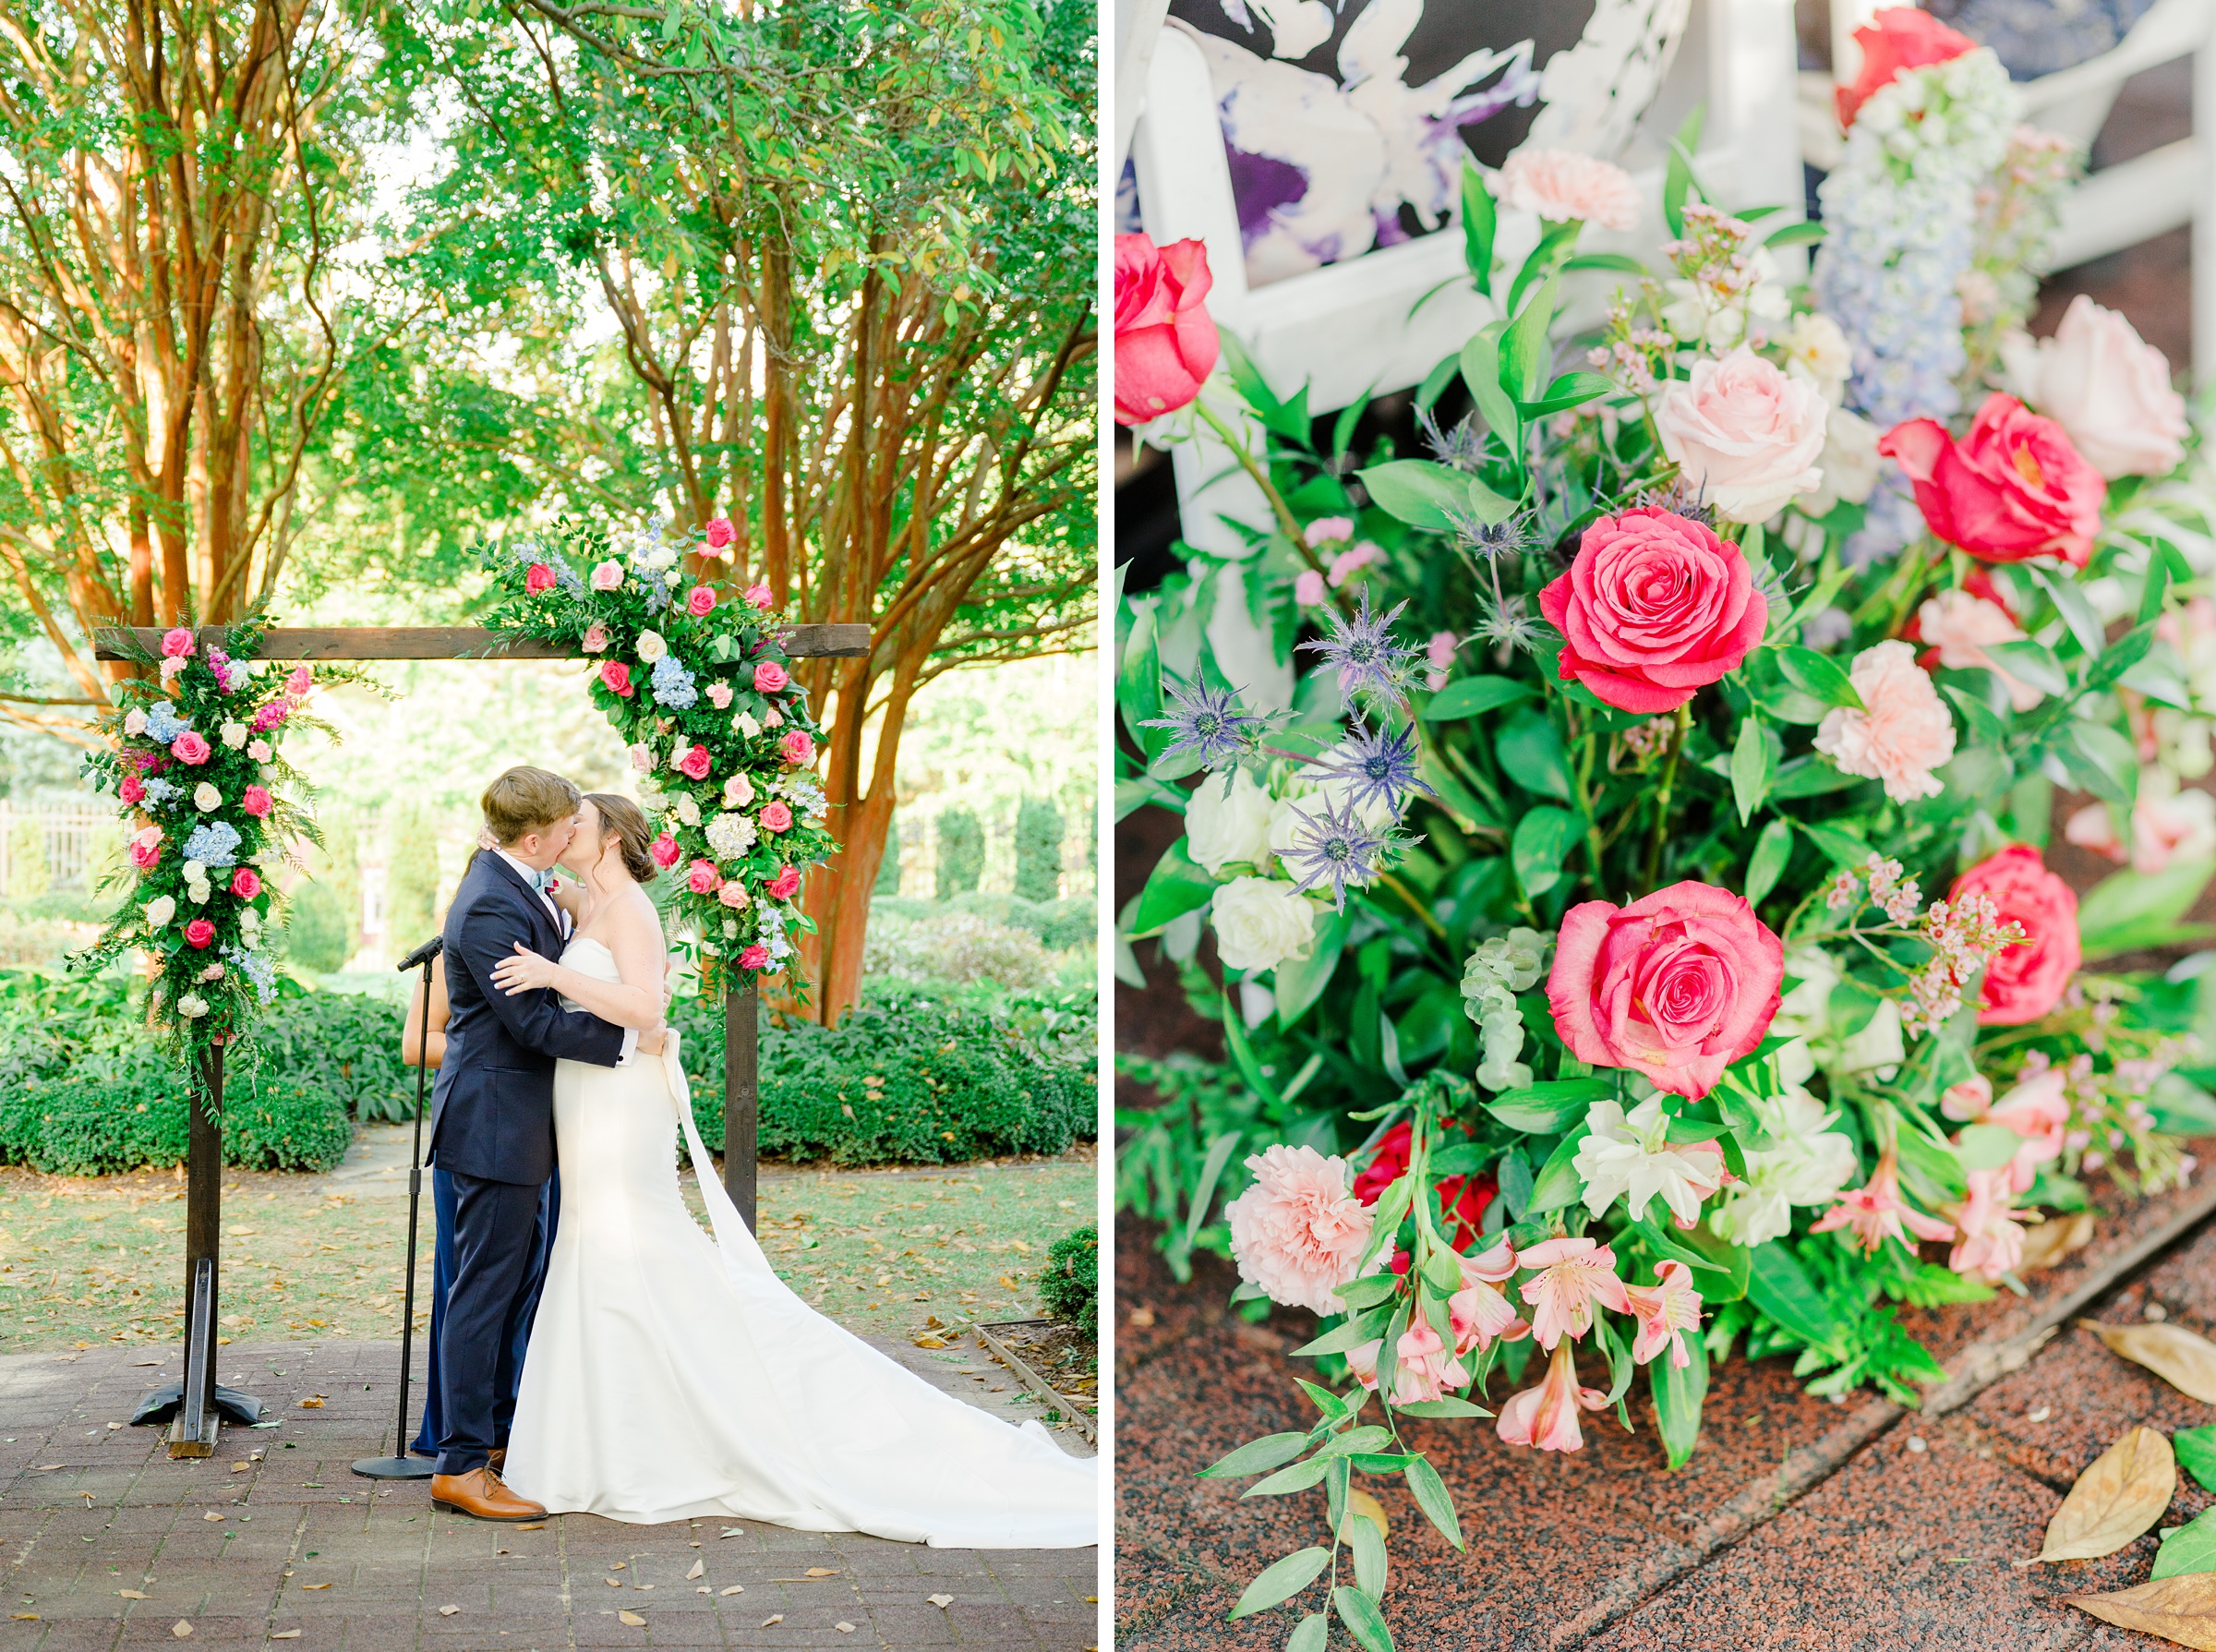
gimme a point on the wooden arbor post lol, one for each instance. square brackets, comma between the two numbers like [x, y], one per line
[203, 1194]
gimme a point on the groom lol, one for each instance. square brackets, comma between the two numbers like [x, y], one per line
[493, 1123]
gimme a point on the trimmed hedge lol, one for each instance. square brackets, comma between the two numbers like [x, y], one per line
[85, 1127]
[1069, 1286]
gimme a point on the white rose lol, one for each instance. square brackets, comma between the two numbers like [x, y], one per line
[688, 810]
[2106, 387]
[249, 920]
[133, 722]
[196, 872]
[206, 797]
[747, 726]
[1745, 435]
[1260, 923]
[674, 578]
[1220, 828]
[191, 1006]
[160, 911]
[652, 645]
[198, 893]
[235, 735]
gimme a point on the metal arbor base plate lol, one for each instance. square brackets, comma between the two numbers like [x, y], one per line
[395, 1468]
[160, 1405]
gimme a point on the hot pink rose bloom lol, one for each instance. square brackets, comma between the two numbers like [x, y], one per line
[617, 675]
[700, 600]
[1546, 1416]
[188, 747]
[719, 696]
[771, 678]
[720, 532]
[705, 878]
[246, 884]
[256, 800]
[1561, 184]
[732, 894]
[1665, 1311]
[2107, 387]
[785, 886]
[1898, 37]
[665, 851]
[775, 817]
[755, 958]
[1308, 590]
[145, 848]
[176, 643]
[200, 932]
[759, 597]
[594, 638]
[694, 765]
[270, 716]
[1654, 607]
[1745, 433]
[1992, 1240]
[1572, 1275]
[608, 575]
[2012, 488]
[2038, 1109]
[1165, 341]
[132, 789]
[1903, 730]
[798, 749]
[2027, 980]
[538, 577]
[1876, 1212]
[1678, 985]
[1297, 1233]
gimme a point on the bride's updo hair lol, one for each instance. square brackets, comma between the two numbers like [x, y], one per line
[621, 816]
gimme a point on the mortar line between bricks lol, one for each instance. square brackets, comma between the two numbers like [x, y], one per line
[568, 1607]
[1978, 1368]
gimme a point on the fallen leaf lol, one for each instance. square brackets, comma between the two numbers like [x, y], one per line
[536, 1525]
[2184, 1361]
[312, 1405]
[823, 1571]
[181, 1628]
[778, 1619]
[733, 1531]
[24, 1617]
[285, 1635]
[2123, 1493]
[1360, 1502]
[448, 1611]
[941, 1601]
[2055, 1238]
[930, 1341]
[619, 1565]
[315, 1586]
[213, 1515]
[2189, 1548]
[631, 1618]
[700, 1569]
[45, 1469]
[613, 1583]
[2180, 1609]
[737, 1588]
[132, 1594]
[843, 1627]
[240, 1467]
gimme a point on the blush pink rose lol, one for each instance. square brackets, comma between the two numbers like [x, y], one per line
[771, 678]
[1745, 434]
[700, 600]
[538, 578]
[1561, 184]
[1677, 985]
[1654, 607]
[720, 532]
[759, 597]
[755, 958]
[594, 638]
[256, 800]
[665, 851]
[694, 765]
[2107, 387]
[785, 886]
[732, 894]
[246, 883]
[608, 575]
[1897, 38]
[703, 878]
[798, 749]
[2027, 980]
[617, 676]
[190, 748]
[176, 643]
[1299, 1231]
[1165, 341]
[2012, 488]
[132, 789]
[777, 817]
[200, 932]
[719, 696]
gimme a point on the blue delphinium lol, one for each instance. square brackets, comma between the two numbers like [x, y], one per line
[1334, 846]
[1370, 659]
[1208, 723]
[213, 843]
[256, 969]
[159, 792]
[1382, 768]
[162, 723]
[673, 684]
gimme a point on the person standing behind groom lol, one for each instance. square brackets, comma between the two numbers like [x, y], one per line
[493, 1123]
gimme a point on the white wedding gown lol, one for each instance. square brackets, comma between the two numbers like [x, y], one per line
[672, 1375]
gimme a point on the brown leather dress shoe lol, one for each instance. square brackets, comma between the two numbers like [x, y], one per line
[480, 1493]
[499, 1459]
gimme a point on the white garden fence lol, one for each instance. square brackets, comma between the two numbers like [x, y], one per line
[65, 840]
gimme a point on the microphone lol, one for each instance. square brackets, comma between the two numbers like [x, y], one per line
[422, 955]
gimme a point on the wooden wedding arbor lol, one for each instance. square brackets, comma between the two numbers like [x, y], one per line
[199, 1404]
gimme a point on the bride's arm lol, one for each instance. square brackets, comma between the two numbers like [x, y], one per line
[637, 951]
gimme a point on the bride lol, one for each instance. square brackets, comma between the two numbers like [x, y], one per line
[670, 1375]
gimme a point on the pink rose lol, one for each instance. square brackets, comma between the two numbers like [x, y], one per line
[132, 789]
[694, 765]
[777, 817]
[665, 851]
[1561, 184]
[1165, 342]
[703, 878]
[755, 958]
[2027, 980]
[188, 747]
[1902, 731]
[2012, 488]
[798, 749]
[700, 600]
[1744, 434]
[2107, 387]
[594, 638]
[1654, 607]
[540, 578]
[733, 895]
[256, 800]
[199, 931]
[1299, 1231]
[720, 532]
[246, 883]
[145, 848]
[785, 886]
[617, 676]
[1677, 985]
[759, 597]
[608, 575]
[770, 678]
[299, 680]
[642, 759]
[270, 716]
[1895, 39]
[176, 644]
[719, 696]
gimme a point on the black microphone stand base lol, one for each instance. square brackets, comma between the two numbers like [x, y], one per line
[162, 1405]
[394, 1468]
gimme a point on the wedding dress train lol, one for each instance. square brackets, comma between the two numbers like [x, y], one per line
[672, 1375]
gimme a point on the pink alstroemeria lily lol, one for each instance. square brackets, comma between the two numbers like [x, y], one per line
[1424, 1370]
[1573, 1275]
[1665, 1310]
[1992, 1239]
[1478, 1314]
[1875, 1213]
[1546, 1416]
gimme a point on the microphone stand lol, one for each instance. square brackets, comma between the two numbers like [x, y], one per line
[400, 1465]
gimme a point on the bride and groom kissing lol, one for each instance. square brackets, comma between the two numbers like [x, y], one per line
[665, 1375]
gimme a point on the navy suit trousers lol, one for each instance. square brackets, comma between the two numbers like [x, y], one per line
[497, 1250]
[443, 1196]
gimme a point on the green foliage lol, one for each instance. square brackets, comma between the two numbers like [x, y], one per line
[1038, 850]
[84, 1126]
[961, 852]
[1069, 1285]
[315, 930]
[410, 872]
[888, 869]
[346, 1044]
[28, 875]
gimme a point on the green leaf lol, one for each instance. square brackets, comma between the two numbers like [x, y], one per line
[2070, 603]
[1242, 1052]
[1204, 1193]
[1620, 262]
[2183, 1108]
[1368, 1544]
[1300, 982]
[1780, 1288]
[1481, 372]
[2191, 1548]
[1677, 182]
[1314, 1632]
[1729, 1257]
[1678, 1397]
[1570, 389]
[1558, 1183]
[1466, 696]
[2196, 1450]
[1298, 1477]
[1449, 1406]
[1479, 224]
[2101, 761]
[1810, 776]
[1435, 382]
[1281, 1582]
[1666, 1245]
[1531, 752]
[1256, 1456]
[1750, 769]
[1369, 1437]
[1541, 840]
[1371, 1288]
[1139, 683]
[2033, 663]
[1818, 674]
[1514, 1174]
[1803, 234]
[1418, 492]
[1174, 887]
[1431, 1496]
[1362, 1617]
[1773, 849]
[1842, 849]
[1524, 353]
[1350, 1333]
[2126, 903]
[1986, 1147]
[1548, 1108]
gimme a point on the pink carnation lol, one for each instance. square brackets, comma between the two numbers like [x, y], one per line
[1298, 1232]
[1902, 732]
[176, 643]
[188, 747]
[785, 886]
[256, 800]
[798, 749]
[770, 678]
[719, 696]
[777, 817]
[703, 878]
[755, 958]
[1561, 185]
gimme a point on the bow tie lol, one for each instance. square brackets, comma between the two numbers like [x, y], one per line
[544, 881]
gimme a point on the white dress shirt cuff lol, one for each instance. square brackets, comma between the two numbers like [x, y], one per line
[631, 1047]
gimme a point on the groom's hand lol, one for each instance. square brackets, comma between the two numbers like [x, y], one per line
[651, 1041]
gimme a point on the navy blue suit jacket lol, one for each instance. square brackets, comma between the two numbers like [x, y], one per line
[492, 1114]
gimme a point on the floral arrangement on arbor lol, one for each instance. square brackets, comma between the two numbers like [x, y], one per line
[193, 760]
[696, 679]
[1634, 932]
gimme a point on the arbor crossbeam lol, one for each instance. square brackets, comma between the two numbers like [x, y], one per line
[442, 642]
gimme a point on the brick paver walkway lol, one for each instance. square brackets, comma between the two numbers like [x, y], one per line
[107, 1543]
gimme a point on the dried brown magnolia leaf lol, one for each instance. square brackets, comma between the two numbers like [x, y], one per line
[286, 1634]
[2120, 1496]
[181, 1628]
[778, 1619]
[2054, 1238]
[700, 1569]
[843, 1627]
[737, 1588]
[631, 1619]
[2184, 1361]
[1360, 1504]
[941, 1601]
[613, 1583]
[823, 1571]
[448, 1611]
[132, 1594]
[2180, 1609]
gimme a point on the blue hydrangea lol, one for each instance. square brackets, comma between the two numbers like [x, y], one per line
[672, 684]
[164, 724]
[213, 843]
